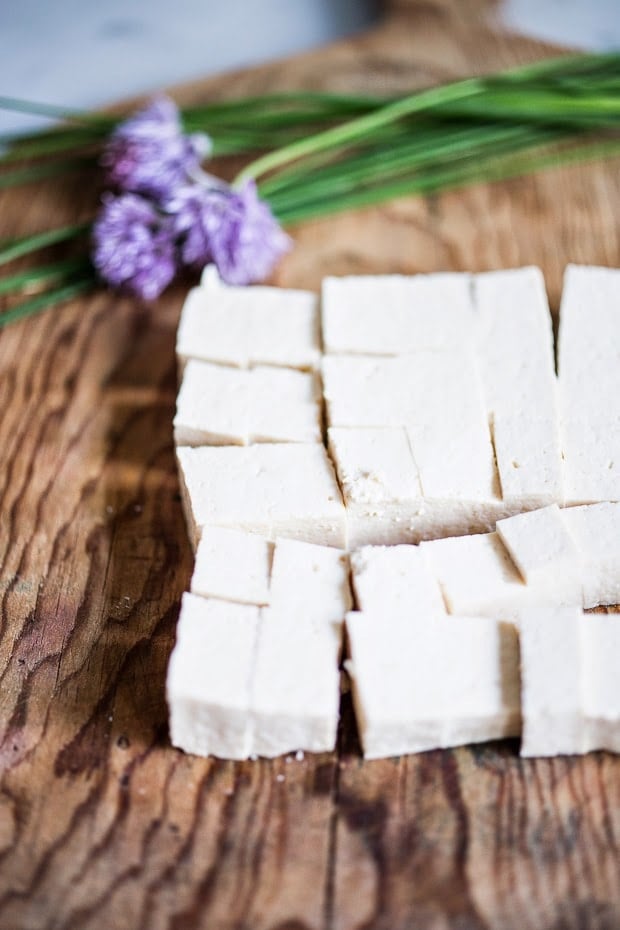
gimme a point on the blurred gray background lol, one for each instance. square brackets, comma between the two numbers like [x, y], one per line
[85, 54]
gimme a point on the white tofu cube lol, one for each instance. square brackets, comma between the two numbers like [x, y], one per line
[551, 648]
[413, 691]
[394, 314]
[514, 338]
[589, 369]
[285, 406]
[232, 565]
[596, 532]
[213, 406]
[529, 460]
[478, 577]
[379, 481]
[592, 457]
[286, 489]
[395, 581]
[209, 678]
[246, 326]
[310, 581]
[601, 682]
[296, 684]
[544, 551]
[219, 405]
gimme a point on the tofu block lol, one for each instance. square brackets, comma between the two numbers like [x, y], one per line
[246, 326]
[296, 684]
[395, 581]
[589, 378]
[395, 314]
[232, 565]
[379, 481]
[479, 578]
[285, 406]
[438, 398]
[310, 582]
[551, 648]
[286, 489]
[596, 532]
[413, 691]
[544, 551]
[209, 678]
[514, 340]
[212, 406]
[219, 405]
[529, 460]
[591, 458]
[571, 686]
[601, 682]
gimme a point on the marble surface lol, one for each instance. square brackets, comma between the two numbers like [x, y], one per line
[82, 54]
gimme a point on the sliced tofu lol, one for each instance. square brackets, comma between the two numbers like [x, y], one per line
[479, 578]
[544, 551]
[233, 565]
[246, 326]
[213, 406]
[437, 397]
[514, 340]
[589, 378]
[285, 406]
[592, 453]
[379, 481]
[296, 684]
[286, 489]
[571, 686]
[219, 405]
[413, 691]
[596, 532]
[395, 314]
[310, 581]
[551, 646]
[395, 581]
[601, 682]
[209, 678]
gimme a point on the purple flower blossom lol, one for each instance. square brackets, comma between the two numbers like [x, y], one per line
[134, 245]
[149, 154]
[233, 228]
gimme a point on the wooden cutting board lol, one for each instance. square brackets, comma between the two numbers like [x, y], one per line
[102, 823]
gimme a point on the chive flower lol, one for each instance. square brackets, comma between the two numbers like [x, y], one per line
[133, 245]
[149, 153]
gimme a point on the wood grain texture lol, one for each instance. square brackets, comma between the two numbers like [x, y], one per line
[102, 823]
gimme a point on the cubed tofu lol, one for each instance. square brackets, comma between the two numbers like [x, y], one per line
[285, 406]
[596, 532]
[544, 551]
[395, 581]
[209, 678]
[279, 489]
[310, 581]
[589, 378]
[551, 647]
[379, 481]
[246, 326]
[395, 314]
[296, 684]
[479, 578]
[601, 682]
[232, 565]
[413, 691]
[219, 405]
[529, 462]
[213, 406]
[514, 340]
